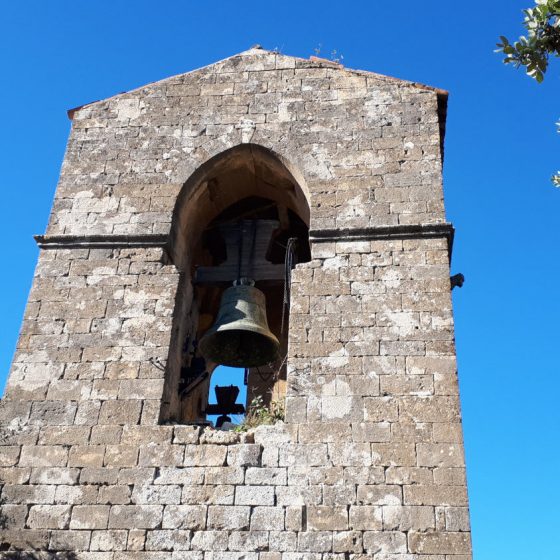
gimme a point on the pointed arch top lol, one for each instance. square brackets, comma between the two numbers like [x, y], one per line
[239, 172]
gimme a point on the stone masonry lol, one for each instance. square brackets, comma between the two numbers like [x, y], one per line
[369, 461]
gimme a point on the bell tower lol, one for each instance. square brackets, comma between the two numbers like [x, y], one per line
[277, 214]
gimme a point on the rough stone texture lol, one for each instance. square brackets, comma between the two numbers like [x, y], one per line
[370, 461]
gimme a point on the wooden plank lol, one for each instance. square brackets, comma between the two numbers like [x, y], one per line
[209, 274]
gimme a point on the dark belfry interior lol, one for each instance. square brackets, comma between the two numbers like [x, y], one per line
[233, 304]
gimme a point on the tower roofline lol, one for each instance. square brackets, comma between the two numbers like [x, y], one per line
[311, 62]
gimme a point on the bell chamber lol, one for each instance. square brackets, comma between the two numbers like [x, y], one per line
[234, 306]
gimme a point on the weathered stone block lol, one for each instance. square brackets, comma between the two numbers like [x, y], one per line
[409, 475]
[229, 517]
[435, 495]
[86, 456]
[447, 433]
[381, 409]
[319, 541]
[28, 494]
[25, 539]
[327, 518]
[244, 455]
[347, 542]
[13, 516]
[219, 437]
[209, 540]
[43, 456]
[168, 540]
[154, 455]
[350, 454]
[266, 518]
[450, 476]
[64, 435]
[95, 475]
[184, 517]
[89, 517]
[224, 475]
[114, 495]
[457, 519]
[11, 475]
[439, 543]
[10, 456]
[265, 476]
[136, 539]
[301, 475]
[380, 494]
[48, 517]
[135, 517]
[440, 455]
[254, 495]
[385, 542]
[298, 495]
[186, 434]
[108, 540]
[135, 475]
[315, 432]
[120, 412]
[205, 455]
[270, 556]
[178, 475]
[247, 542]
[294, 518]
[273, 434]
[150, 494]
[371, 432]
[140, 388]
[407, 518]
[69, 540]
[88, 413]
[54, 413]
[366, 518]
[215, 495]
[121, 455]
[310, 455]
[75, 494]
[429, 409]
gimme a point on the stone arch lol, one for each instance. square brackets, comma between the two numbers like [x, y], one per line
[202, 197]
[246, 182]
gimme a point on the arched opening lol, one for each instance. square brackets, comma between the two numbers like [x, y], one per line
[242, 215]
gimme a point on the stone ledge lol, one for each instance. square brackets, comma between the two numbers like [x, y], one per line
[100, 241]
[403, 231]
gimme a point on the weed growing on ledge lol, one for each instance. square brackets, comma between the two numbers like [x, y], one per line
[259, 414]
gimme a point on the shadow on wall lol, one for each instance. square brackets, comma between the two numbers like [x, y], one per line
[7, 554]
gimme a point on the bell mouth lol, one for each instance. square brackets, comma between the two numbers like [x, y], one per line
[239, 348]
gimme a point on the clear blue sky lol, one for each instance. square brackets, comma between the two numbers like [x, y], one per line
[501, 148]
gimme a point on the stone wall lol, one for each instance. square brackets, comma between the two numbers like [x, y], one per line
[369, 462]
[95, 322]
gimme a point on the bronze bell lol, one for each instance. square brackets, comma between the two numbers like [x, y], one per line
[240, 337]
